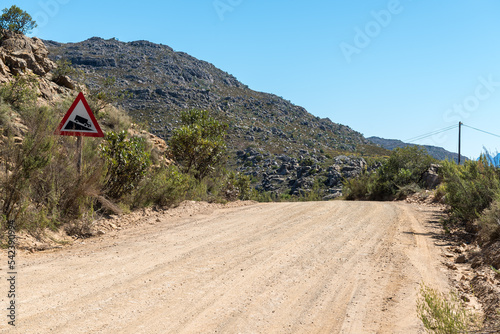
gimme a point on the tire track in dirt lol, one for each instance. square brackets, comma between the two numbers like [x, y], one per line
[314, 267]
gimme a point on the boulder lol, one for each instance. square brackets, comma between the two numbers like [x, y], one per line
[431, 178]
[22, 55]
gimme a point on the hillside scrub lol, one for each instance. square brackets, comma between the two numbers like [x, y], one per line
[40, 186]
[472, 191]
[126, 160]
[470, 188]
[198, 145]
[489, 223]
[400, 175]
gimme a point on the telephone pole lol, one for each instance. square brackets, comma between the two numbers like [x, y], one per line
[459, 139]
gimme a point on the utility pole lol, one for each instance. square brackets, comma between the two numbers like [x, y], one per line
[459, 139]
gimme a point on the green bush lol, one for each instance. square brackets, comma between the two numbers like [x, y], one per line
[22, 92]
[23, 161]
[489, 223]
[470, 188]
[405, 166]
[5, 115]
[407, 190]
[64, 69]
[361, 187]
[199, 144]
[399, 176]
[165, 187]
[127, 161]
[237, 187]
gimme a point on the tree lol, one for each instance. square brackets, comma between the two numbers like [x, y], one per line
[16, 20]
[198, 145]
[127, 162]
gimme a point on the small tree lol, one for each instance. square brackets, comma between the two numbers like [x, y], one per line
[199, 144]
[127, 162]
[16, 20]
[405, 166]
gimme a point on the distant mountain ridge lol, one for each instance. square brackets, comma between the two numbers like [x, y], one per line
[163, 82]
[436, 152]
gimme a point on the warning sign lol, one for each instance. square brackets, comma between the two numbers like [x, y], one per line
[79, 120]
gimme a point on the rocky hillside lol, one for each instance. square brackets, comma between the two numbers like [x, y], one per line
[284, 148]
[436, 152]
[25, 57]
[21, 55]
[162, 82]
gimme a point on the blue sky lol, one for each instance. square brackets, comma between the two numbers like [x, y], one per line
[394, 69]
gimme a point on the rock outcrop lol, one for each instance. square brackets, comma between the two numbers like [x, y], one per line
[283, 174]
[21, 55]
[431, 178]
[24, 56]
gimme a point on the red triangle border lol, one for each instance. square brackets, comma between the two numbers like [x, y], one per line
[79, 98]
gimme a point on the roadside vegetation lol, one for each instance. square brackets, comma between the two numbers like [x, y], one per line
[400, 175]
[445, 314]
[471, 192]
[41, 188]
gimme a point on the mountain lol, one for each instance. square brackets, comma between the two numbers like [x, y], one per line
[281, 146]
[162, 82]
[438, 153]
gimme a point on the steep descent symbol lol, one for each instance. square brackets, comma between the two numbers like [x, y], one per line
[80, 123]
[79, 120]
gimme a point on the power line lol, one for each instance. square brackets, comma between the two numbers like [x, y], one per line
[489, 133]
[430, 134]
[413, 139]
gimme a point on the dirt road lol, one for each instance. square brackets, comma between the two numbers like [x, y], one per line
[317, 267]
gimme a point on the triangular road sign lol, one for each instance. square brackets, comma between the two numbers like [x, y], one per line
[79, 120]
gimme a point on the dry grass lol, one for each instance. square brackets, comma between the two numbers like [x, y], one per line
[445, 314]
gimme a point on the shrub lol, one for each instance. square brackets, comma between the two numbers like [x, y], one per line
[407, 190]
[64, 69]
[470, 188]
[199, 144]
[165, 187]
[237, 186]
[114, 118]
[24, 160]
[360, 188]
[127, 161]
[5, 115]
[444, 314]
[405, 166]
[489, 223]
[399, 176]
[22, 92]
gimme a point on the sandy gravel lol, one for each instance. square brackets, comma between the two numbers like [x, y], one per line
[316, 267]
